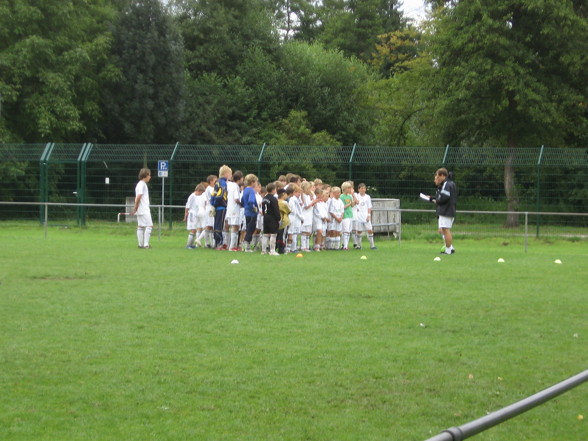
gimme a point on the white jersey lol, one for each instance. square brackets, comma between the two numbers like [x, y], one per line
[336, 207]
[192, 204]
[207, 195]
[233, 195]
[143, 190]
[319, 214]
[259, 223]
[307, 211]
[363, 208]
[295, 212]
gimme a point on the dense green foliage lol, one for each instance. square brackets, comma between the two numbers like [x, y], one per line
[509, 72]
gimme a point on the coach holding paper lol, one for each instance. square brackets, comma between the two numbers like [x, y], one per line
[446, 201]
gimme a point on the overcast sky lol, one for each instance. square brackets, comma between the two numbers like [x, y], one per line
[414, 9]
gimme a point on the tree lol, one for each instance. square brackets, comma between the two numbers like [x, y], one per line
[218, 33]
[353, 26]
[330, 88]
[53, 60]
[511, 72]
[146, 102]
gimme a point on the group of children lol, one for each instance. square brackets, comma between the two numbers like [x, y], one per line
[234, 212]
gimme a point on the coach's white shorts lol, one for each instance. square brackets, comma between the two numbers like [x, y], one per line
[445, 222]
[144, 220]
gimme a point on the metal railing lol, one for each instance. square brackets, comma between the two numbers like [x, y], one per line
[481, 424]
[389, 224]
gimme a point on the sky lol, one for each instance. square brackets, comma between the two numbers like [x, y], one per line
[414, 9]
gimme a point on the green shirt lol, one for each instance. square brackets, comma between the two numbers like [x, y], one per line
[348, 213]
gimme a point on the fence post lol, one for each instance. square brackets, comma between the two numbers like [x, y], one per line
[44, 179]
[259, 161]
[538, 189]
[351, 162]
[171, 183]
[445, 155]
[82, 181]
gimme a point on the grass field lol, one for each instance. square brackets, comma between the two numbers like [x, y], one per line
[104, 341]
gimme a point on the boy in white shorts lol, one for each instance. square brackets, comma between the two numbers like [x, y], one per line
[295, 216]
[336, 211]
[320, 217]
[233, 216]
[190, 217]
[363, 213]
[142, 209]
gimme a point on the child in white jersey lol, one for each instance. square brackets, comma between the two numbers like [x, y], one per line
[191, 216]
[296, 217]
[336, 210]
[142, 209]
[320, 217]
[233, 216]
[308, 201]
[363, 213]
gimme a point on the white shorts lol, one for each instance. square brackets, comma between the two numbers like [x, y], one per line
[293, 229]
[318, 225]
[233, 221]
[209, 219]
[346, 225]
[306, 228]
[201, 220]
[334, 226]
[363, 226]
[445, 222]
[144, 220]
[191, 221]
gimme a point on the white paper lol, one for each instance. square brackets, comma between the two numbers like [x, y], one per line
[424, 197]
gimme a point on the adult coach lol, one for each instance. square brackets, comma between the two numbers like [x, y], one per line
[142, 209]
[446, 201]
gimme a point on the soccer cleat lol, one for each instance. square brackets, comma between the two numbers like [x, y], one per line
[451, 251]
[357, 247]
[190, 247]
[273, 253]
[373, 248]
[235, 249]
[198, 243]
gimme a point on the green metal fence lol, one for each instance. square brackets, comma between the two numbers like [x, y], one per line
[547, 179]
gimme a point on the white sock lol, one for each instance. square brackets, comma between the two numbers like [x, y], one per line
[294, 242]
[345, 240]
[147, 236]
[190, 240]
[272, 242]
[141, 236]
[265, 243]
[371, 239]
[234, 239]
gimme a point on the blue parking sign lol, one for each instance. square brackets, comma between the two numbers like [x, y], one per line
[162, 169]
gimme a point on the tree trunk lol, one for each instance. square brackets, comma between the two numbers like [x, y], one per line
[512, 197]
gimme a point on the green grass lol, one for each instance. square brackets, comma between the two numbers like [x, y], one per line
[104, 341]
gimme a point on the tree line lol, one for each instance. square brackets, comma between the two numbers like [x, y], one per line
[330, 72]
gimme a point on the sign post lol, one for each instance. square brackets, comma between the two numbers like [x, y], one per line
[162, 172]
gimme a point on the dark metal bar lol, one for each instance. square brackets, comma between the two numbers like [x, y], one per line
[474, 427]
